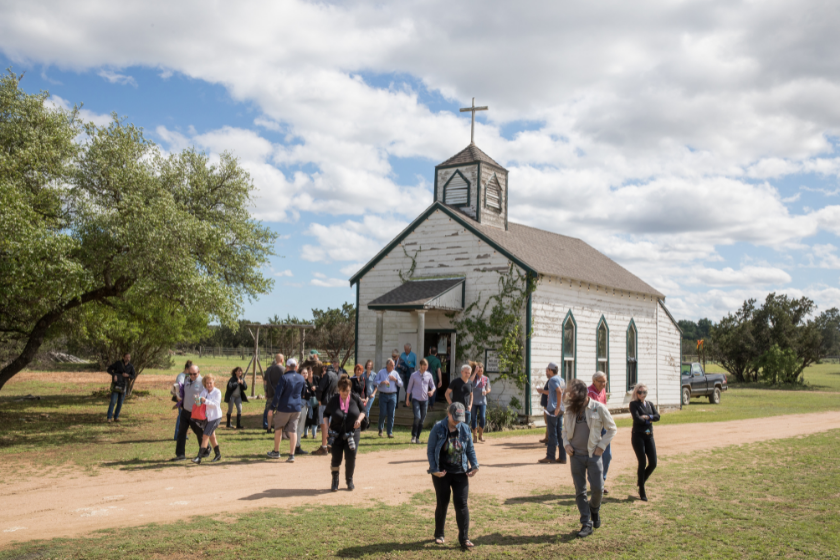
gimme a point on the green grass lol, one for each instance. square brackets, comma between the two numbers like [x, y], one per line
[67, 425]
[819, 377]
[773, 499]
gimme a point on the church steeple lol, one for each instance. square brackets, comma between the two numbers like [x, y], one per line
[474, 184]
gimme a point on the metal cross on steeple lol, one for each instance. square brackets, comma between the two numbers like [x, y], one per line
[473, 109]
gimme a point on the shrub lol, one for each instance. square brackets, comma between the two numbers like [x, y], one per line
[500, 418]
[779, 366]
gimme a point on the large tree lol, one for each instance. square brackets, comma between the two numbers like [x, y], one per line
[93, 221]
[335, 332]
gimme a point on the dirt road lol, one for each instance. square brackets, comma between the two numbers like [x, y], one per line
[75, 503]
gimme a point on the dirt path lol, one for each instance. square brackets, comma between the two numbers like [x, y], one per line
[75, 504]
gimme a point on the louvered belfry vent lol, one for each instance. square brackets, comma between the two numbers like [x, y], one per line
[457, 191]
[494, 195]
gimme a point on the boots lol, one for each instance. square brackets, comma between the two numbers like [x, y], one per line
[350, 485]
[238, 421]
[218, 456]
[642, 494]
[228, 420]
[334, 486]
[202, 452]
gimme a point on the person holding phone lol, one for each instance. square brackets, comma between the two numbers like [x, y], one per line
[452, 462]
[641, 438]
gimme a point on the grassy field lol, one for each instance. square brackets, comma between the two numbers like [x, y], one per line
[774, 499]
[819, 377]
[67, 427]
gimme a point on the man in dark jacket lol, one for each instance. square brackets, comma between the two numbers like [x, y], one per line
[326, 389]
[270, 379]
[285, 407]
[122, 372]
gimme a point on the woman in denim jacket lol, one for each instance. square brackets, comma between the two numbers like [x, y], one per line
[452, 462]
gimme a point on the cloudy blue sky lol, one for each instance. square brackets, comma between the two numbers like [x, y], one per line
[696, 143]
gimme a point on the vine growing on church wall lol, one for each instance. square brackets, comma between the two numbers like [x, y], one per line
[497, 323]
[407, 276]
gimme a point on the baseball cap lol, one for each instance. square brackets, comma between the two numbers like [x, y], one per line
[457, 411]
[552, 366]
[291, 362]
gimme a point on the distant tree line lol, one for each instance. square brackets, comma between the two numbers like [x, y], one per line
[773, 341]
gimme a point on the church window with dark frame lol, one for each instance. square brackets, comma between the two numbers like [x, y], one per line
[493, 195]
[603, 349]
[569, 338]
[456, 191]
[632, 355]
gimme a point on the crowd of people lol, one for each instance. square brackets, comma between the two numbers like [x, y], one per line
[304, 398]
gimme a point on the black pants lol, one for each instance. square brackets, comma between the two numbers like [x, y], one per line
[459, 486]
[644, 445]
[340, 447]
[186, 423]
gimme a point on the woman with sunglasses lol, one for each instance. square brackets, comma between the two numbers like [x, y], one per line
[644, 414]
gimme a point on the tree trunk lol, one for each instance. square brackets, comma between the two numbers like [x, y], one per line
[39, 331]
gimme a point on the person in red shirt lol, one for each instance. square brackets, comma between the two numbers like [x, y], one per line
[598, 392]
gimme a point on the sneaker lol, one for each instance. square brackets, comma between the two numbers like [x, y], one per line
[291, 459]
[585, 531]
[299, 451]
[413, 439]
[273, 454]
[545, 460]
[321, 451]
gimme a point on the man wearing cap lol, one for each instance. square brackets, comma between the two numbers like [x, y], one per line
[554, 414]
[284, 412]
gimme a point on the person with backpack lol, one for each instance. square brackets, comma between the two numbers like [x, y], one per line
[122, 372]
[235, 395]
[343, 418]
[325, 392]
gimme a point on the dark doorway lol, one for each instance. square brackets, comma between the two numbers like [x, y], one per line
[442, 340]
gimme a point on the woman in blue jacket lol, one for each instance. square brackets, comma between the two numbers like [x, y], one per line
[452, 463]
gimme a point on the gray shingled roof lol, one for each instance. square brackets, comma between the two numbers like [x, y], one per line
[470, 154]
[415, 293]
[563, 256]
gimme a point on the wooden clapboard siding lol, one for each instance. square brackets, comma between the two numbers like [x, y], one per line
[554, 298]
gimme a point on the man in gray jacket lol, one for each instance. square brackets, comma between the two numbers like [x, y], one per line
[271, 378]
[189, 396]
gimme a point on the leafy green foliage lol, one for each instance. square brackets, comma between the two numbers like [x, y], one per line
[501, 418]
[498, 322]
[112, 217]
[335, 332]
[780, 366]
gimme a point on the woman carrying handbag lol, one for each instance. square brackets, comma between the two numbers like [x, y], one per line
[210, 408]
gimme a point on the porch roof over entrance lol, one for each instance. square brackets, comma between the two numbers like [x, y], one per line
[446, 294]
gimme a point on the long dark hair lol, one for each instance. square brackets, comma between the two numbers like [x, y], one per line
[576, 394]
[233, 373]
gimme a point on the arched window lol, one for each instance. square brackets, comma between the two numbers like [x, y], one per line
[456, 191]
[569, 339]
[603, 350]
[493, 196]
[632, 353]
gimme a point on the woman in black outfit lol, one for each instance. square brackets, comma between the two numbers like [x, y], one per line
[644, 414]
[346, 412]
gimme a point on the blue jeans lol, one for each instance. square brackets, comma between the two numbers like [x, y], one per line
[606, 456]
[405, 379]
[116, 399]
[433, 398]
[387, 407]
[368, 407]
[479, 416]
[420, 410]
[555, 426]
[265, 417]
[467, 417]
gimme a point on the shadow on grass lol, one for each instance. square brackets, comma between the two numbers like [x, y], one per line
[495, 539]
[286, 493]
[509, 465]
[562, 500]
[408, 462]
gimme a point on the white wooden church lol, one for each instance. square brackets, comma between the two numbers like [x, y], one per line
[587, 312]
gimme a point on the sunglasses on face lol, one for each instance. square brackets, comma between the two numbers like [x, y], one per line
[641, 392]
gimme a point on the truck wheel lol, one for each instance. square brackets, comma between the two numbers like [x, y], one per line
[686, 396]
[714, 398]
